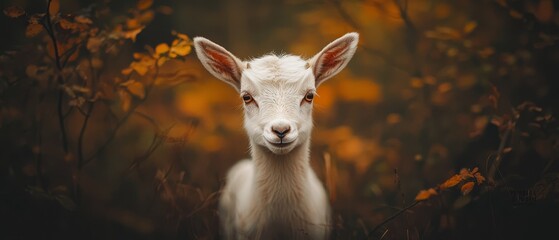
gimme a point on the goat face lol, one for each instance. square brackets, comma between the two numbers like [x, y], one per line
[278, 92]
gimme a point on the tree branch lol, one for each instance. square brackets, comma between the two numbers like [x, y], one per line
[47, 25]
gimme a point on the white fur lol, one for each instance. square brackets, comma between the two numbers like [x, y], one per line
[276, 195]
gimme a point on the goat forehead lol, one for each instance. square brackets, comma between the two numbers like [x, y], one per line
[284, 72]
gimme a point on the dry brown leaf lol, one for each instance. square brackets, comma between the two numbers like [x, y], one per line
[470, 27]
[14, 11]
[467, 188]
[83, 19]
[144, 4]
[54, 7]
[479, 178]
[33, 30]
[93, 44]
[125, 100]
[65, 24]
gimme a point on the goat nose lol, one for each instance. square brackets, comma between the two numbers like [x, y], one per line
[281, 130]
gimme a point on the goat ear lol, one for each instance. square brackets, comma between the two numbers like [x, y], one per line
[334, 57]
[219, 62]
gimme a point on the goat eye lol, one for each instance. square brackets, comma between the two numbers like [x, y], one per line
[247, 98]
[309, 97]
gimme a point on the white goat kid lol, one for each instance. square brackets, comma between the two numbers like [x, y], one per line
[276, 195]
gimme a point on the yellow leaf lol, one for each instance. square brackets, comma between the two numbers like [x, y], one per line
[139, 67]
[182, 36]
[54, 7]
[181, 49]
[469, 27]
[161, 48]
[135, 88]
[144, 4]
[14, 11]
[33, 29]
[467, 188]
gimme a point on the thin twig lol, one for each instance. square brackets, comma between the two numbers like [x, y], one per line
[123, 120]
[497, 162]
[47, 25]
[392, 217]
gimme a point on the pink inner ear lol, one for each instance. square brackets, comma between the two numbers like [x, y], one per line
[331, 58]
[220, 62]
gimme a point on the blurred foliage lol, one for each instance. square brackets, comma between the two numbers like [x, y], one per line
[443, 126]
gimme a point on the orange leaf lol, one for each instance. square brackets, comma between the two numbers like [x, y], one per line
[132, 34]
[144, 4]
[161, 48]
[125, 100]
[93, 44]
[181, 49]
[469, 27]
[54, 7]
[479, 178]
[33, 30]
[451, 182]
[14, 11]
[135, 88]
[425, 194]
[467, 188]
[65, 24]
[83, 20]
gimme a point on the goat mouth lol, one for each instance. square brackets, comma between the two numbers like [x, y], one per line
[281, 144]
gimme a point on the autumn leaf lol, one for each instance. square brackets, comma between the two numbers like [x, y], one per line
[135, 88]
[451, 182]
[161, 48]
[65, 24]
[144, 4]
[132, 34]
[181, 49]
[165, 10]
[467, 188]
[93, 44]
[33, 30]
[126, 71]
[14, 11]
[425, 194]
[470, 27]
[83, 20]
[125, 100]
[479, 178]
[54, 7]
